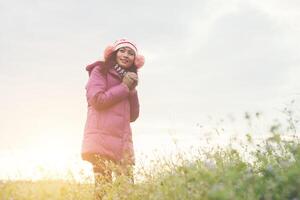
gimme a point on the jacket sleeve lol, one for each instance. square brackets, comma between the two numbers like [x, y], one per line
[134, 105]
[97, 93]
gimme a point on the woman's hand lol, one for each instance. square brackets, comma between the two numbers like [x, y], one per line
[131, 80]
[133, 76]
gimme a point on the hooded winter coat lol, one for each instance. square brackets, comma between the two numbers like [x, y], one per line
[111, 108]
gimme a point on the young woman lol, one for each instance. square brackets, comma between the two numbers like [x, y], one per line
[112, 105]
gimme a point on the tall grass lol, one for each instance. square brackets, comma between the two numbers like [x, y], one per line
[267, 169]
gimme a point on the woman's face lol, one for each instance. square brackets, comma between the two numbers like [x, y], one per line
[125, 57]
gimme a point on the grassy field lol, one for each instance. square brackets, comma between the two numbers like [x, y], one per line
[221, 173]
[264, 170]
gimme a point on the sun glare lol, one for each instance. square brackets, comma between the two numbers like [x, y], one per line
[47, 156]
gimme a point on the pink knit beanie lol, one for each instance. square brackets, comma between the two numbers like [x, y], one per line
[139, 59]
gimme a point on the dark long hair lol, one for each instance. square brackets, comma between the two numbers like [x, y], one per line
[112, 61]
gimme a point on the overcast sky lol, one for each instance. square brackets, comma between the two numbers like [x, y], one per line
[202, 58]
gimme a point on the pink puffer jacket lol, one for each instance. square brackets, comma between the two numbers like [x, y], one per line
[111, 108]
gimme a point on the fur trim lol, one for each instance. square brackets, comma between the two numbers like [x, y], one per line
[108, 50]
[139, 61]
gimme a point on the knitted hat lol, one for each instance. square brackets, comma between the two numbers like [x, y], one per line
[139, 60]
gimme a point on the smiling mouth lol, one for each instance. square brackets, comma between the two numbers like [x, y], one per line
[124, 61]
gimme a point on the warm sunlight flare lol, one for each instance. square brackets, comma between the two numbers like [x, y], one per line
[46, 156]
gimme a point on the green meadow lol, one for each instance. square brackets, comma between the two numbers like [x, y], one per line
[267, 169]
